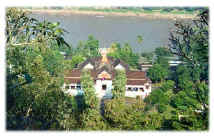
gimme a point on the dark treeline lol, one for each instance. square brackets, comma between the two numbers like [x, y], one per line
[35, 69]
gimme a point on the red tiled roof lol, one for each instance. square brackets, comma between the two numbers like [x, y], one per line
[129, 82]
[135, 75]
[136, 82]
[72, 80]
[73, 73]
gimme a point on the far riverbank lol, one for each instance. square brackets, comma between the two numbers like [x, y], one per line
[154, 15]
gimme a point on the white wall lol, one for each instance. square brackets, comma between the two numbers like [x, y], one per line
[107, 93]
[119, 67]
[98, 87]
[89, 66]
[70, 91]
[139, 92]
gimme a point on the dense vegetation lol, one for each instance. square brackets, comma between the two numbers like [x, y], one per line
[35, 70]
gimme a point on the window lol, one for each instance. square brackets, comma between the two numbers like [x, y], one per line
[72, 87]
[129, 89]
[78, 87]
[104, 87]
[141, 89]
[135, 89]
[67, 87]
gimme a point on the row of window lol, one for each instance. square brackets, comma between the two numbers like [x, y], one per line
[104, 87]
[136, 89]
[73, 87]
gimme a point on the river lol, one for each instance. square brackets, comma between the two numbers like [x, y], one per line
[109, 29]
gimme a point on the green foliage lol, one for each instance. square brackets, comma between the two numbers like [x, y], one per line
[163, 61]
[148, 55]
[160, 70]
[53, 61]
[121, 116]
[119, 84]
[157, 73]
[202, 90]
[22, 30]
[169, 84]
[34, 72]
[185, 100]
[68, 111]
[161, 108]
[33, 101]
[183, 76]
[189, 121]
[152, 121]
[92, 120]
[162, 51]
[125, 53]
[70, 64]
[139, 39]
[190, 43]
[115, 112]
[89, 48]
[161, 95]
[87, 84]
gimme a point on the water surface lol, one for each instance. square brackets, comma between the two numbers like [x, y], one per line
[109, 29]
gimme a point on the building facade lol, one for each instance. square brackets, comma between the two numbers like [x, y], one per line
[103, 70]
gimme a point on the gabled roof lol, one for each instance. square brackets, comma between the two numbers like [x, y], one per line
[106, 68]
[118, 61]
[94, 61]
[133, 77]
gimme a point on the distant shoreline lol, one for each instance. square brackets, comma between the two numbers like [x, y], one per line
[100, 13]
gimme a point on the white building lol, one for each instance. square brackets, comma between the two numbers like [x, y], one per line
[103, 72]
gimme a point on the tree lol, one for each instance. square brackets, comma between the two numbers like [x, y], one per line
[87, 84]
[162, 51]
[120, 115]
[163, 61]
[161, 95]
[139, 39]
[182, 76]
[192, 113]
[119, 84]
[160, 70]
[90, 118]
[89, 48]
[125, 53]
[148, 56]
[22, 30]
[33, 80]
[73, 63]
[33, 93]
[157, 73]
[190, 42]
